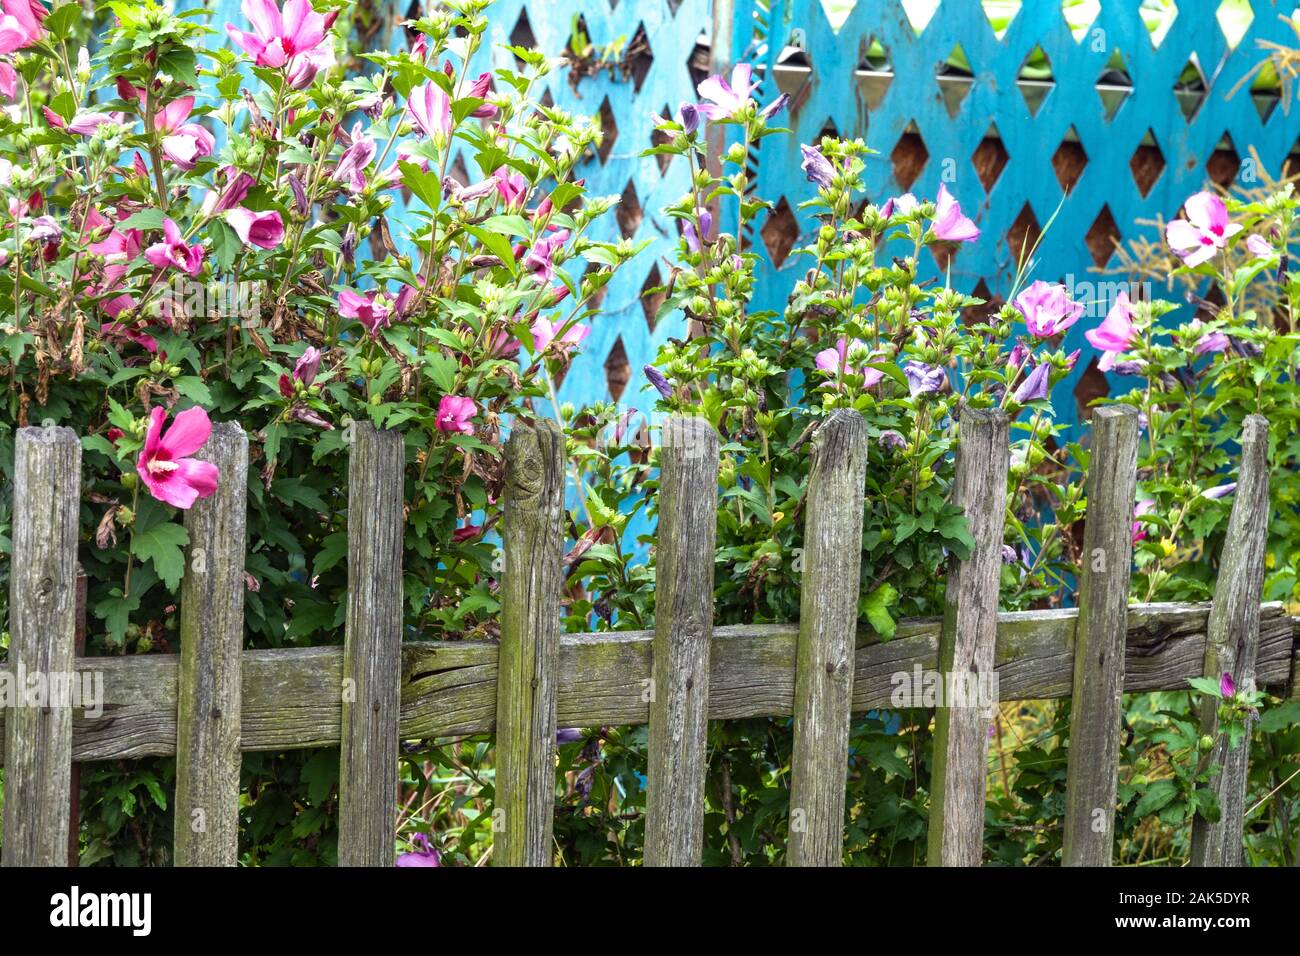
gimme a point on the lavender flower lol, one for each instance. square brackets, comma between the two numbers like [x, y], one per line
[924, 379]
[890, 439]
[657, 379]
[816, 166]
[1034, 387]
[1219, 491]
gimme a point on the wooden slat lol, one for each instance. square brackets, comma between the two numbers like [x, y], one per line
[42, 629]
[967, 643]
[209, 682]
[828, 614]
[1232, 643]
[372, 655]
[1096, 701]
[679, 691]
[291, 695]
[533, 545]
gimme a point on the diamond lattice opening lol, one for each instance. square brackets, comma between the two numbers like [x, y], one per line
[990, 158]
[1147, 163]
[618, 370]
[909, 157]
[954, 77]
[1001, 14]
[660, 138]
[1069, 160]
[920, 13]
[1162, 20]
[629, 213]
[522, 35]
[1224, 163]
[1080, 15]
[1191, 90]
[1036, 80]
[638, 58]
[874, 74]
[610, 128]
[1023, 235]
[653, 296]
[1235, 18]
[780, 232]
[837, 12]
[1102, 237]
[1114, 86]
[1091, 386]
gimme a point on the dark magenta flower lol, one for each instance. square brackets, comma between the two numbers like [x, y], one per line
[423, 855]
[1227, 687]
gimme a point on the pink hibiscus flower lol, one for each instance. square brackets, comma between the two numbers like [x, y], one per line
[173, 253]
[262, 229]
[20, 25]
[164, 464]
[280, 40]
[1116, 332]
[949, 224]
[455, 414]
[1204, 232]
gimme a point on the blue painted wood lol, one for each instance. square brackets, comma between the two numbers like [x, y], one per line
[835, 97]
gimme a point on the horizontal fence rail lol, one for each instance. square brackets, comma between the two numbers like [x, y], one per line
[448, 688]
[214, 700]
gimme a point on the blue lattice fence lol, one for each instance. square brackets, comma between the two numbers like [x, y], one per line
[1133, 153]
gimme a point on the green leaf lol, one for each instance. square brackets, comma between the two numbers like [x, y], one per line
[194, 388]
[161, 545]
[876, 608]
[1156, 797]
[145, 219]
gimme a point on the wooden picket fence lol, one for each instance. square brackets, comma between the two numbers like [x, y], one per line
[216, 699]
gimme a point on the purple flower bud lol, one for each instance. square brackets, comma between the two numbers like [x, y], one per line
[1009, 555]
[817, 167]
[1227, 687]
[1129, 367]
[689, 116]
[1034, 387]
[299, 194]
[568, 735]
[774, 107]
[657, 379]
[1219, 491]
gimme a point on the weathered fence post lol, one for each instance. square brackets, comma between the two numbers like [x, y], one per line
[679, 687]
[966, 645]
[828, 618]
[209, 680]
[1100, 636]
[42, 627]
[528, 659]
[372, 656]
[1232, 641]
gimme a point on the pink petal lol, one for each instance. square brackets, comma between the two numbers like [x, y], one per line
[1207, 211]
[264, 15]
[1181, 234]
[188, 431]
[250, 44]
[202, 476]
